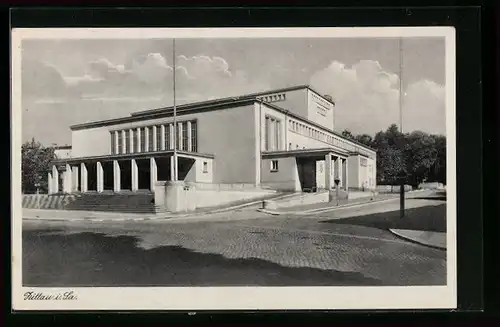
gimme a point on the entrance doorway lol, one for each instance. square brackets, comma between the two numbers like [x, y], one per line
[307, 174]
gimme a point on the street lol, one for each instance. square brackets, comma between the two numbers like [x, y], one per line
[349, 247]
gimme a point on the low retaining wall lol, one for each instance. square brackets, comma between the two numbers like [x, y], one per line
[180, 196]
[432, 186]
[45, 201]
[213, 198]
[392, 188]
[306, 199]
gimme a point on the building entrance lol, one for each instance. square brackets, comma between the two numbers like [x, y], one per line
[307, 174]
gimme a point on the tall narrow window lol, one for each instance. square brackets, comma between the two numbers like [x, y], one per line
[127, 142]
[135, 133]
[120, 142]
[143, 140]
[184, 145]
[113, 143]
[158, 138]
[150, 138]
[194, 142]
[277, 133]
[167, 137]
[267, 133]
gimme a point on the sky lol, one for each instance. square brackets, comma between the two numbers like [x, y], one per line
[66, 82]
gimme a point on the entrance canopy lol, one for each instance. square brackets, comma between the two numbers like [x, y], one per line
[306, 153]
[128, 156]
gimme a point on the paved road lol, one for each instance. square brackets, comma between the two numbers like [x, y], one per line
[241, 248]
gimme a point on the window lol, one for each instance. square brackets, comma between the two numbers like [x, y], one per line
[143, 140]
[150, 138]
[127, 142]
[167, 137]
[272, 137]
[363, 162]
[113, 140]
[184, 144]
[205, 167]
[120, 142]
[274, 165]
[158, 138]
[194, 143]
[277, 132]
[267, 132]
[137, 144]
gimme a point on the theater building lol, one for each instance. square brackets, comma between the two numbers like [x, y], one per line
[282, 140]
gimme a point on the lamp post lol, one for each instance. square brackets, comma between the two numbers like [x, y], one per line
[37, 185]
[337, 181]
[402, 173]
[175, 167]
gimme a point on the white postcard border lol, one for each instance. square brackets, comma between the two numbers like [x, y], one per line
[227, 298]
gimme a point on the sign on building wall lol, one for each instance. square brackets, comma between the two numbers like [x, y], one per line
[322, 106]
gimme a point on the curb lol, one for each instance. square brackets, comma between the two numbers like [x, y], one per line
[320, 210]
[417, 241]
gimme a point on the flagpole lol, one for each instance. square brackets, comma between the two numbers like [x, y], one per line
[175, 168]
[402, 174]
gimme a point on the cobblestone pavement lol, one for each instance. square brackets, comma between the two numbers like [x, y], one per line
[376, 255]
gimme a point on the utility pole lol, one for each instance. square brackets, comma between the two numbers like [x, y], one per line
[176, 166]
[402, 173]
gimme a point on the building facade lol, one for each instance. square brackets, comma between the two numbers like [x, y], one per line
[282, 139]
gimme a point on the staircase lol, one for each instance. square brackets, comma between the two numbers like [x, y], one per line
[137, 202]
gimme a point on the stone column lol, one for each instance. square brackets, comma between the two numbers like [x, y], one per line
[116, 142]
[146, 139]
[344, 174]
[67, 181]
[124, 143]
[153, 169]
[131, 135]
[155, 143]
[50, 183]
[135, 175]
[340, 173]
[162, 138]
[171, 143]
[189, 145]
[138, 145]
[116, 176]
[83, 174]
[328, 171]
[74, 178]
[172, 168]
[179, 136]
[55, 179]
[100, 177]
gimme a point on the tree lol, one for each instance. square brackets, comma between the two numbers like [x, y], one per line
[347, 134]
[364, 139]
[420, 155]
[36, 163]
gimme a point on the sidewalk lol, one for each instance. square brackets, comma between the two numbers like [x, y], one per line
[330, 206]
[428, 238]
[319, 207]
[79, 215]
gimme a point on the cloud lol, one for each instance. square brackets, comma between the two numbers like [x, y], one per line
[43, 80]
[148, 75]
[367, 98]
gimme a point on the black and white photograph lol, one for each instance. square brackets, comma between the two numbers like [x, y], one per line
[235, 168]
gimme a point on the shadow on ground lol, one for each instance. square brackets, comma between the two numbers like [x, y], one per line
[428, 218]
[52, 259]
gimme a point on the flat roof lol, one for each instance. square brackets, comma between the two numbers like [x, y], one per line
[190, 107]
[137, 155]
[304, 152]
